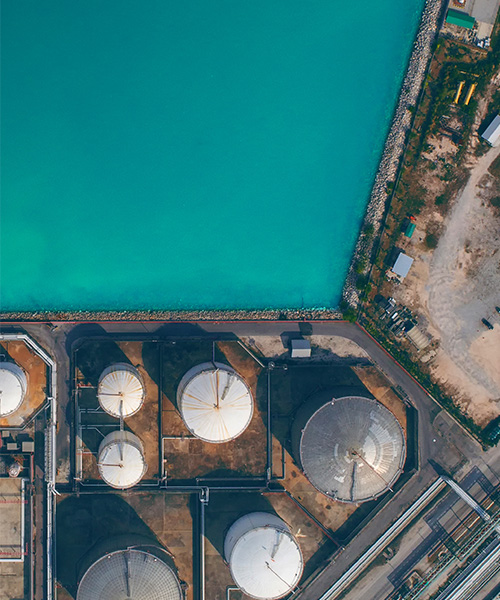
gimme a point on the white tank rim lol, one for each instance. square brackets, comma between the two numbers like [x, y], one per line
[14, 384]
[199, 370]
[258, 524]
[137, 397]
[139, 553]
[379, 406]
[117, 475]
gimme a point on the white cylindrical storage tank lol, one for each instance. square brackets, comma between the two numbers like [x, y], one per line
[351, 448]
[121, 459]
[129, 573]
[264, 557]
[121, 390]
[13, 386]
[215, 402]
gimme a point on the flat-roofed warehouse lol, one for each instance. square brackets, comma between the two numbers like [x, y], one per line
[12, 537]
[402, 265]
[484, 12]
[492, 132]
[462, 19]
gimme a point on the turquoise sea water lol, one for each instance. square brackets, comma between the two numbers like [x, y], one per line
[194, 154]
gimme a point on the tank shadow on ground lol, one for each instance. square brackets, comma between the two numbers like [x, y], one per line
[80, 332]
[297, 386]
[225, 508]
[90, 526]
[168, 366]
[93, 356]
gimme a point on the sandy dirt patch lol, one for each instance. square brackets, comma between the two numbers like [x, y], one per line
[457, 286]
[324, 347]
[486, 351]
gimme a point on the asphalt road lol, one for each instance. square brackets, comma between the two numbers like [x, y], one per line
[440, 438]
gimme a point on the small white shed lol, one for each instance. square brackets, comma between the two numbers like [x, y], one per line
[300, 348]
[492, 132]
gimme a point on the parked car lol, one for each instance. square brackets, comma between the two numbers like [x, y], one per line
[487, 323]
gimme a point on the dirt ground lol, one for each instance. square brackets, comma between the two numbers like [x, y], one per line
[456, 286]
[36, 375]
[325, 348]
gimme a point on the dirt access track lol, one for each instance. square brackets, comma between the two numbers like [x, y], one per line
[455, 287]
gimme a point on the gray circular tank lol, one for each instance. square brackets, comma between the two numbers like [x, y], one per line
[127, 574]
[350, 447]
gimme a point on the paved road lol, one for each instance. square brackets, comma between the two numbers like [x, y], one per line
[440, 438]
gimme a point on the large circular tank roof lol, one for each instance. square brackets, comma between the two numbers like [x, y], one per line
[352, 449]
[121, 459]
[127, 574]
[13, 386]
[215, 402]
[120, 391]
[264, 558]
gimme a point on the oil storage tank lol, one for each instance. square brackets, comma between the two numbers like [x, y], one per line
[120, 391]
[121, 460]
[13, 386]
[215, 402]
[264, 557]
[129, 573]
[350, 447]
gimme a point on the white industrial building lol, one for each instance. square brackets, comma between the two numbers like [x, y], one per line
[492, 132]
[300, 348]
[129, 573]
[215, 402]
[13, 385]
[120, 390]
[264, 557]
[402, 265]
[121, 460]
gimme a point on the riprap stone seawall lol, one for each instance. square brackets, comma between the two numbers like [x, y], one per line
[396, 140]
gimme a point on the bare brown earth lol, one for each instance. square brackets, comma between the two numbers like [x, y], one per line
[458, 284]
[18, 352]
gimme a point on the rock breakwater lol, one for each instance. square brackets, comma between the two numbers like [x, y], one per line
[395, 144]
[173, 315]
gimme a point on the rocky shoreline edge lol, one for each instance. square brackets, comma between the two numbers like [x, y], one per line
[395, 144]
[173, 315]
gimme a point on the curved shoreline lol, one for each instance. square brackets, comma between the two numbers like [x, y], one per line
[396, 141]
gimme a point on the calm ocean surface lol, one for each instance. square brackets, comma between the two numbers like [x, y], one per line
[192, 154]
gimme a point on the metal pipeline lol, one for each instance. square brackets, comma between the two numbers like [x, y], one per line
[204, 498]
[50, 460]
